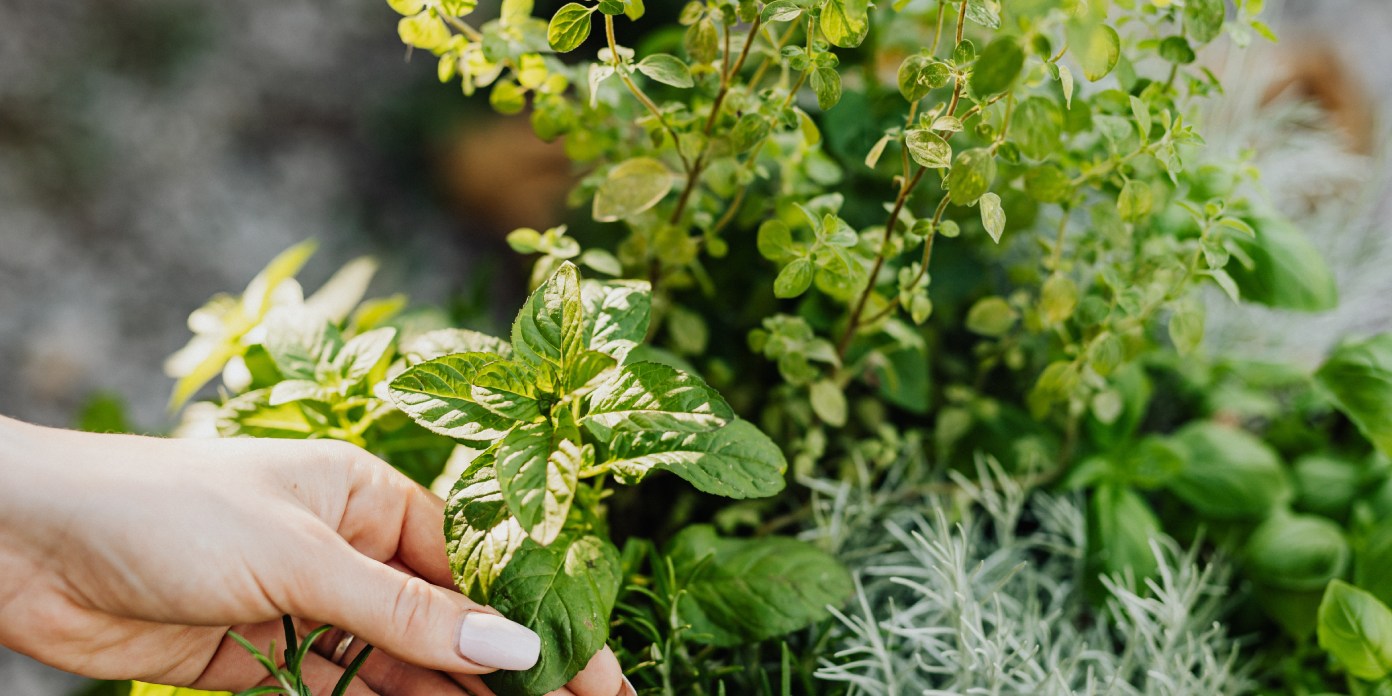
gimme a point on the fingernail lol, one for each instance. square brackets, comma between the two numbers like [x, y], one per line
[493, 641]
[626, 689]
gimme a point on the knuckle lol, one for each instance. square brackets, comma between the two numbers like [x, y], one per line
[412, 608]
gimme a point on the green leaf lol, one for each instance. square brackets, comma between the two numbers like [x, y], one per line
[564, 592]
[616, 315]
[1122, 525]
[550, 329]
[481, 535]
[442, 342]
[992, 215]
[438, 394]
[746, 590]
[298, 341]
[653, 396]
[1297, 552]
[569, 27]
[337, 297]
[299, 390]
[780, 11]
[702, 41]
[1357, 630]
[845, 22]
[1228, 474]
[1203, 19]
[424, 31]
[631, 187]
[829, 402]
[1057, 299]
[538, 471]
[826, 84]
[991, 316]
[252, 415]
[1287, 271]
[794, 279]
[1358, 375]
[1135, 200]
[775, 241]
[1097, 48]
[1037, 126]
[508, 389]
[736, 461]
[984, 12]
[362, 353]
[667, 69]
[928, 148]
[971, 175]
[1187, 327]
[997, 67]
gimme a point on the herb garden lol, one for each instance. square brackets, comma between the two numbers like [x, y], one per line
[870, 362]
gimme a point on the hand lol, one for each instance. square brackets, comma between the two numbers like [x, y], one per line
[126, 557]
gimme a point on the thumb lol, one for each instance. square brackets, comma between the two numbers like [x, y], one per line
[411, 619]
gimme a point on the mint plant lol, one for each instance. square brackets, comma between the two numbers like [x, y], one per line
[557, 412]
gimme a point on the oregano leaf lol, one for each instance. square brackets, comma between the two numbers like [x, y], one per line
[631, 187]
[569, 27]
[928, 148]
[667, 69]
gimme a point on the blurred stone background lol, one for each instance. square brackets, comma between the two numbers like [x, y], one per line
[155, 152]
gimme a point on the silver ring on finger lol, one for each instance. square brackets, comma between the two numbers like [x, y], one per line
[341, 650]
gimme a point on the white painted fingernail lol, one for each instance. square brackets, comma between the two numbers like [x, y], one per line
[493, 641]
[627, 688]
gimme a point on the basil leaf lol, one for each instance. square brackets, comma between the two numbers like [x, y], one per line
[481, 535]
[736, 461]
[1121, 527]
[538, 471]
[745, 590]
[549, 331]
[1357, 630]
[438, 394]
[565, 593]
[1228, 473]
[652, 396]
[1359, 378]
[1287, 271]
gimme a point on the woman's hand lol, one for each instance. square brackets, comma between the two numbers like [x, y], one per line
[125, 557]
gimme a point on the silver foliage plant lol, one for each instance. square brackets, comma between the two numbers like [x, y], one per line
[977, 588]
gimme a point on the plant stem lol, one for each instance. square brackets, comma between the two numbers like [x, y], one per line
[463, 27]
[637, 92]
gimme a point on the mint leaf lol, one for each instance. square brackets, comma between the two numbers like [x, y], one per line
[359, 355]
[564, 592]
[442, 342]
[299, 390]
[736, 461]
[550, 328]
[508, 389]
[588, 371]
[616, 315]
[252, 415]
[538, 471]
[438, 394]
[481, 535]
[299, 340]
[652, 396]
[745, 590]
